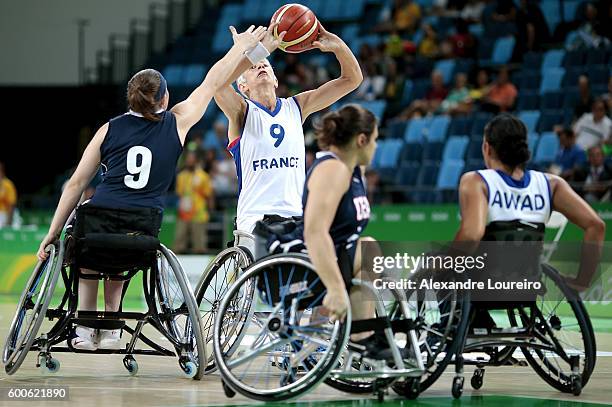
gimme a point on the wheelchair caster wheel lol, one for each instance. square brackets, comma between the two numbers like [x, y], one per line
[131, 365]
[457, 389]
[477, 379]
[50, 365]
[412, 389]
[229, 392]
[190, 369]
[576, 385]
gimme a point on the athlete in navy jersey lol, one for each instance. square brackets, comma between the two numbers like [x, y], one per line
[138, 153]
[506, 192]
[336, 211]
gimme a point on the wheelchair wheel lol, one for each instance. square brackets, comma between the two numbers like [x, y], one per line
[563, 325]
[178, 312]
[442, 321]
[31, 310]
[218, 276]
[288, 345]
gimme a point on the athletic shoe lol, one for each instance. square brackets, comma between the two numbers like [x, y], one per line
[109, 339]
[85, 338]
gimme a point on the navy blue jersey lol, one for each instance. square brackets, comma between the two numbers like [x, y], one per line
[353, 211]
[138, 161]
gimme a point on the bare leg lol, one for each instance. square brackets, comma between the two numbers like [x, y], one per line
[112, 295]
[362, 304]
[88, 292]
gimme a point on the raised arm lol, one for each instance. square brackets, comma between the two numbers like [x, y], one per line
[580, 213]
[229, 101]
[350, 76]
[191, 110]
[330, 180]
[86, 170]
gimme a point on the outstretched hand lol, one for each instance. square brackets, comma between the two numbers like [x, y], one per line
[326, 41]
[248, 39]
[270, 41]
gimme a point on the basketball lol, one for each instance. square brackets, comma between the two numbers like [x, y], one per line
[301, 25]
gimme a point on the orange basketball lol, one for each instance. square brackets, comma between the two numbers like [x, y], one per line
[301, 25]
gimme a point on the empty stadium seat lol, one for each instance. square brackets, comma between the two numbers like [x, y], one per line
[574, 58]
[407, 92]
[438, 128]
[455, 147]
[551, 79]
[396, 129]
[552, 100]
[415, 130]
[528, 100]
[376, 106]
[433, 151]
[532, 140]
[502, 50]
[194, 74]
[550, 9]
[390, 154]
[446, 68]
[474, 151]
[547, 148]
[412, 153]
[548, 119]
[552, 59]
[427, 174]
[530, 118]
[407, 175]
[480, 121]
[460, 125]
[448, 176]
[533, 60]
[596, 56]
[174, 75]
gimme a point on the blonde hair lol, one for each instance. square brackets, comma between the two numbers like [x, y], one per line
[242, 79]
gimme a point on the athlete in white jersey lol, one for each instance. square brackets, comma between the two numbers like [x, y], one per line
[266, 137]
[506, 192]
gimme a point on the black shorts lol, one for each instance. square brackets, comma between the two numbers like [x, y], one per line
[345, 263]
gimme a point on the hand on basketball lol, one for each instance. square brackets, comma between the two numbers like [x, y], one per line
[336, 304]
[248, 39]
[327, 42]
[41, 254]
[270, 41]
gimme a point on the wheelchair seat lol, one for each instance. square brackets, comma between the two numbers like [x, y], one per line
[111, 240]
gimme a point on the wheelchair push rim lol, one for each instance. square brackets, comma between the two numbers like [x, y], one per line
[290, 335]
[210, 291]
[43, 279]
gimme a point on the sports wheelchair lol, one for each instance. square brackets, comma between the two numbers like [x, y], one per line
[552, 329]
[120, 255]
[273, 340]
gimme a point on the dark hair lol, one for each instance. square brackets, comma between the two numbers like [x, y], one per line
[339, 127]
[600, 100]
[507, 135]
[567, 132]
[141, 91]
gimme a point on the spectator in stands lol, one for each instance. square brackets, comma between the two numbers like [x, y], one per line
[406, 15]
[472, 12]
[464, 43]
[194, 189]
[501, 95]
[590, 32]
[482, 86]
[458, 100]
[224, 179]
[594, 128]
[429, 47]
[503, 18]
[8, 199]
[373, 84]
[434, 97]
[597, 177]
[570, 156]
[607, 97]
[220, 129]
[585, 98]
[532, 29]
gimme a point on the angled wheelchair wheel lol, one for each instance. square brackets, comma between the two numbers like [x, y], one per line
[561, 325]
[442, 320]
[31, 309]
[288, 344]
[222, 272]
[178, 313]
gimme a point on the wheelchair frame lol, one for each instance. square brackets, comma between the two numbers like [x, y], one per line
[66, 314]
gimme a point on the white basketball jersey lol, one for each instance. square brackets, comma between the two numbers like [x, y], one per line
[528, 200]
[269, 158]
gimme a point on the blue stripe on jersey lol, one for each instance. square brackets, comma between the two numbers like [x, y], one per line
[522, 183]
[273, 113]
[234, 149]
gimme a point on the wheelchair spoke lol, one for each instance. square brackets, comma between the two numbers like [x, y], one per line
[247, 357]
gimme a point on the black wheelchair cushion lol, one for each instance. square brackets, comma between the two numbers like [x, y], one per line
[113, 240]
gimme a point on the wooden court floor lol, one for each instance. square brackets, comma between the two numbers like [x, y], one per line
[101, 380]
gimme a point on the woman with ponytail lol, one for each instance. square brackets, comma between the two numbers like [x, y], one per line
[506, 195]
[336, 212]
[138, 152]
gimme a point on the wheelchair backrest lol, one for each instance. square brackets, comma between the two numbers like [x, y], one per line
[115, 240]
